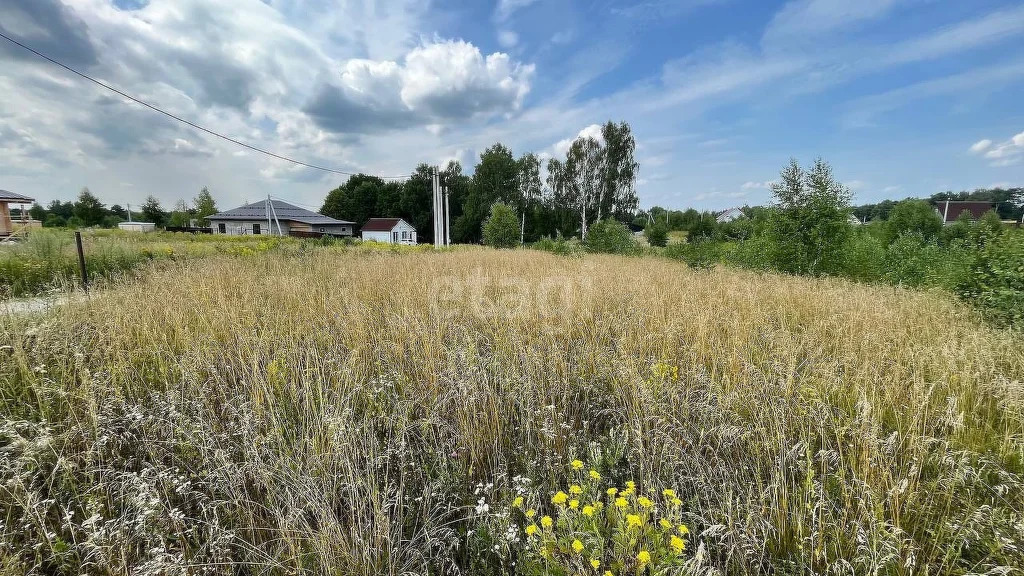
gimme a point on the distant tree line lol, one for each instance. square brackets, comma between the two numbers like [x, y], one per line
[88, 211]
[596, 180]
[1008, 203]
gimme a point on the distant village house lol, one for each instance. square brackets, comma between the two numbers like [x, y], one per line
[729, 215]
[263, 217]
[950, 210]
[389, 230]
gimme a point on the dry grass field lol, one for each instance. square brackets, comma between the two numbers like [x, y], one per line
[352, 412]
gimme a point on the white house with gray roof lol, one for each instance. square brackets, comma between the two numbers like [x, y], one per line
[252, 219]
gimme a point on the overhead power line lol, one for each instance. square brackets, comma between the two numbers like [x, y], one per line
[183, 120]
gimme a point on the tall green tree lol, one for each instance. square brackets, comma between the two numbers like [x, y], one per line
[37, 212]
[495, 179]
[809, 224]
[204, 206]
[529, 189]
[180, 216]
[417, 202]
[89, 209]
[152, 211]
[618, 197]
[356, 200]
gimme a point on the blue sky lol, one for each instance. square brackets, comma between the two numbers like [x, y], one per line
[903, 97]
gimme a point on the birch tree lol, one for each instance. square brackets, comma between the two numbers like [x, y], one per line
[528, 186]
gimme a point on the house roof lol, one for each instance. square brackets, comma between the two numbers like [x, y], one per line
[956, 207]
[380, 224]
[6, 196]
[284, 211]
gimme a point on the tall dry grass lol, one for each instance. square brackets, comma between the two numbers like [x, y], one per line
[344, 411]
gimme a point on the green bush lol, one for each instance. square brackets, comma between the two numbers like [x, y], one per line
[863, 257]
[610, 237]
[501, 229]
[914, 262]
[913, 216]
[657, 234]
[697, 255]
[560, 246]
[995, 283]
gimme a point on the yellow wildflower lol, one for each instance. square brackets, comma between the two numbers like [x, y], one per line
[595, 563]
[575, 489]
[643, 557]
[518, 502]
[678, 544]
[683, 529]
[608, 573]
[531, 529]
[669, 493]
[613, 491]
[546, 521]
[577, 546]
[531, 513]
[621, 502]
[559, 498]
[631, 485]
[665, 524]
[574, 504]
[633, 520]
[645, 502]
[577, 465]
[588, 510]
[595, 474]
[676, 501]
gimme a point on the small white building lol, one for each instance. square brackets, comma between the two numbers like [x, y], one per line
[389, 230]
[137, 226]
[253, 219]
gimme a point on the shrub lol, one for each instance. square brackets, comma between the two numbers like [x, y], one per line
[913, 262]
[913, 216]
[697, 255]
[657, 234]
[704, 227]
[995, 284]
[501, 229]
[610, 237]
[560, 245]
[863, 257]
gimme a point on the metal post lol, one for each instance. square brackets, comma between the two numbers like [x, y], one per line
[437, 210]
[270, 227]
[447, 221]
[81, 261]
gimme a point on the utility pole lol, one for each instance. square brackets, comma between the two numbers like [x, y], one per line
[447, 222]
[270, 227]
[129, 212]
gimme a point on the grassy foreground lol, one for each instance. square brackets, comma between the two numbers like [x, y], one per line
[359, 412]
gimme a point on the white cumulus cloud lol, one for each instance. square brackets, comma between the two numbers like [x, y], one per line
[1001, 154]
[980, 146]
[436, 82]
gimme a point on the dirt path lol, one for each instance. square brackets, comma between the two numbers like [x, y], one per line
[37, 304]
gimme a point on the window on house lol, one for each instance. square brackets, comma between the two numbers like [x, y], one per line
[222, 228]
[404, 234]
[395, 236]
[255, 228]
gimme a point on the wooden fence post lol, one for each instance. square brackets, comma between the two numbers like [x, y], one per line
[81, 261]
